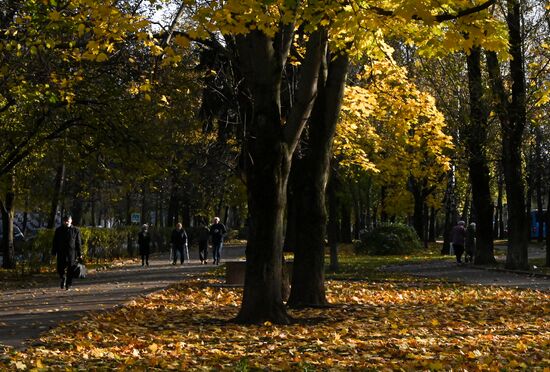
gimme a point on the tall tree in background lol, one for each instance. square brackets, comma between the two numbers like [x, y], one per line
[476, 143]
[512, 116]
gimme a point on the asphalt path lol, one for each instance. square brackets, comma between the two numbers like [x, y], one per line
[26, 313]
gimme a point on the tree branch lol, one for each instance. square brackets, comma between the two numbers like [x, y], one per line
[440, 17]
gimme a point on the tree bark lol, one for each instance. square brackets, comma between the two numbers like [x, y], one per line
[512, 115]
[539, 173]
[332, 227]
[499, 223]
[308, 278]
[58, 190]
[7, 211]
[431, 229]
[476, 143]
[548, 229]
[267, 155]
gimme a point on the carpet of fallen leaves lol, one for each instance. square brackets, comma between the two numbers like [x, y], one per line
[388, 325]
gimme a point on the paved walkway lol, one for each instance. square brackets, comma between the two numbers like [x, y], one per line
[25, 313]
[470, 274]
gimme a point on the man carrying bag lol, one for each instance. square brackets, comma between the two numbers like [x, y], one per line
[67, 243]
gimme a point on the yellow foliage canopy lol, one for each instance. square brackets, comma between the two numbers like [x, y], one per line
[390, 127]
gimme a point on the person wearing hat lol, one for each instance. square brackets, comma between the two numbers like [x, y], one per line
[144, 242]
[458, 235]
[67, 244]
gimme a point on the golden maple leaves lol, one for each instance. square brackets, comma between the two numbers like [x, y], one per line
[391, 325]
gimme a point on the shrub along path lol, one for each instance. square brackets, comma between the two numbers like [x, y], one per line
[25, 313]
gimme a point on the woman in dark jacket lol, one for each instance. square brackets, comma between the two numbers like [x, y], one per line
[144, 241]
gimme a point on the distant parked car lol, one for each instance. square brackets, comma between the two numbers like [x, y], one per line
[18, 237]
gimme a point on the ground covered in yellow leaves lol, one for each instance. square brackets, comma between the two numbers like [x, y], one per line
[387, 325]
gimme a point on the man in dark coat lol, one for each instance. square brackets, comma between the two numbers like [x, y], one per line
[179, 242]
[67, 243]
[217, 231]
[458, 235]
[144, 242]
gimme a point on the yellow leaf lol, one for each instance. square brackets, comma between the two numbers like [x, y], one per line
[153, 348]
[435, 322]
[101, 57]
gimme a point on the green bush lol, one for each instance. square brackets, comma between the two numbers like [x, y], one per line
[388, 239]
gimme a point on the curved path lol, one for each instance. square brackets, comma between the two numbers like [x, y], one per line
[25, 313]
[473, 275]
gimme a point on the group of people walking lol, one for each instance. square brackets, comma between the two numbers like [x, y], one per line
[463, 240]
[179, 242]
[67, 246]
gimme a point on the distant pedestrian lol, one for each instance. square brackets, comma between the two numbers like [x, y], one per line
[144, 243]
[217, 232]
[470, 243]
[179, 243]
[203, 235]
[67, 244]
[458, 235]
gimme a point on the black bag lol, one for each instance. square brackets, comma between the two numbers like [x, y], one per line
[79, 270]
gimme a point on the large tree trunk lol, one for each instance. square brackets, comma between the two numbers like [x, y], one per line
[7, 211]
[499, 223]
[332, 226]
[267, 155]
[58, 189]
[548, 230]
[512, 117]
[308, 278]
[450, 213]
[476, 142]
[539, 173]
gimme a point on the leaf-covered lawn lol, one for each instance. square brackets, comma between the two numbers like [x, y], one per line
[386, 325]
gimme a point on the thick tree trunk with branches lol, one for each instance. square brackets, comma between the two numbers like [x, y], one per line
[476, 143]
[512, 115]
[308, 284]
[267, 154]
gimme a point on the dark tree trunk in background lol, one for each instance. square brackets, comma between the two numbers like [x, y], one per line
[476, 144]
[144, 205]
[332, 227]
[7, 211]
[57, 191]
[450, 219]
[128, 208]
[548, 229]
[466, 208]
[512, 115]
[345, 234]
[76, 210]
[308, 278]
[499, 223]
[431, 230]
[539, 174]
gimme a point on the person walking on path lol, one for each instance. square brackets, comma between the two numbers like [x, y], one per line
[179, 243]
[144, 243]
[67, 244]
[217, 232]
[470, 243]
[458, 235]
[203, 235]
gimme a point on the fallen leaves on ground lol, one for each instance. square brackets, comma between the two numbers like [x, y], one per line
[406, 325]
